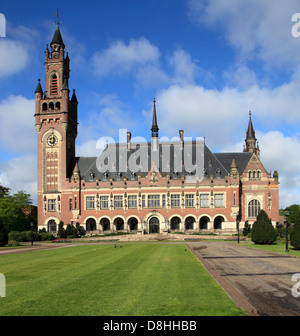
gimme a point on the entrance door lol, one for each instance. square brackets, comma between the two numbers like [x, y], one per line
[154, 225]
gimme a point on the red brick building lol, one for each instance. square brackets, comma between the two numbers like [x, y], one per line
[146, 187]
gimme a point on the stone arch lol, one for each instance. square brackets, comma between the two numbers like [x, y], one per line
[218, 221]
[204, 222]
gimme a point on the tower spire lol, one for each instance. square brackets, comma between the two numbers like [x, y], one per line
[250, 137]
[154, 128]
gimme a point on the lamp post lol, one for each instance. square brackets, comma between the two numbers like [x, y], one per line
[31, 224]
[286, 215]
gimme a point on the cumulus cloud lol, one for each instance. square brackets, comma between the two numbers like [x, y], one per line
[17, 124]
[121, 58]
[19, 173]
[13, 57]
[257, 29]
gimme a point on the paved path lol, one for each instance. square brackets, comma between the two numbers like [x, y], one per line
[263, 278]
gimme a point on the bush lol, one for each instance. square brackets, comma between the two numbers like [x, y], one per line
[263, 231]
[295, 236]
[3, 238]
[16, 236]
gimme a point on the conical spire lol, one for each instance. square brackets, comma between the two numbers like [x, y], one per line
[250, 134]
[250, 137]
[39, 87]
[57, 35]
[154, 128]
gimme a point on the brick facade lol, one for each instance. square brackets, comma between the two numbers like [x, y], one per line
[233, 187]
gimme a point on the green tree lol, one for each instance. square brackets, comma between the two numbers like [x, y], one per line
[15, 210]
[246, 229]
[295, 234]
[294, 213]
[263, 231]
[61, 231]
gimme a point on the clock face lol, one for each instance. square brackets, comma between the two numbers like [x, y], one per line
[52, 140]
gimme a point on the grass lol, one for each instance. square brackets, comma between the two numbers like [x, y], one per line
[277, 247]
[135, 280]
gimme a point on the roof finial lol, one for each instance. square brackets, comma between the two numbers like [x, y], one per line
[57, 20]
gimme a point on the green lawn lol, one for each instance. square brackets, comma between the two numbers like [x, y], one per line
[135, 280]
[278, 247]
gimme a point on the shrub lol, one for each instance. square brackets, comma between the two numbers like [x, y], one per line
[263, 231]
[295, 236]
[3, 238]
[16, 236]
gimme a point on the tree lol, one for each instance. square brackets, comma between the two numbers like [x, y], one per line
[295, 234]
[247, 229]
[3, 235]
[16, 210]
[263, 231]
[61, 231]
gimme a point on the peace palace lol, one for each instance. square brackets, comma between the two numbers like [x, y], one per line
[145, 188]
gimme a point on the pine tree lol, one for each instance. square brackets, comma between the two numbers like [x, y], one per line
[263, 231]
[295, 234]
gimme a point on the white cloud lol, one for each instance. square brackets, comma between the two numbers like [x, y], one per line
[20, 173]
[17, 132]
[13, 57]
[120, 58]
[257, 29]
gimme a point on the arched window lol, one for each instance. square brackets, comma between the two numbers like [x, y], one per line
[250, 175]
[189, 223]
[53, 87]
[254, 175]
[258, 175]
[44, 107]
[51, 106]
[253, 208]
[51, 225]
[57, 106]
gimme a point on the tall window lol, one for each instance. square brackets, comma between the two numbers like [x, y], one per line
[132, 202]
[90, 202]
[103, 202]
[175, 201]
[53, 85]
[70, 204]
[189, 200]
[51, 225]
[153, 201]
[51, 204]
[118, 201]
[253, 208]
[204, 200]
[219, 200]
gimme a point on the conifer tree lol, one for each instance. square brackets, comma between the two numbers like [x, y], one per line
[263, 231]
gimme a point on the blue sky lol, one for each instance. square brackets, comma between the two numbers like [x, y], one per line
[207, 63]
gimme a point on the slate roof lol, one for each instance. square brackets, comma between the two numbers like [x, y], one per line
[215, 164]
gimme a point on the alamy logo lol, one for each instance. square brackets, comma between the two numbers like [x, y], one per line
[2, 25]
[2, 285]
[295, 292]
[296, 26]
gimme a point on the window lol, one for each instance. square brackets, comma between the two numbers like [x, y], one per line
[153, 201]
[53, 89]
[219, 200]
[51, 204]
[70, 204]
[253, 208]
[175, 201]
[189, 200]
[103, 202]
[132, 202]
[143, 201]
[51, 225]
[90, 202]
[163, 201]
[204, 200]
[118, 201]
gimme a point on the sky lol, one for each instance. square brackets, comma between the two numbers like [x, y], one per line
[206, 62]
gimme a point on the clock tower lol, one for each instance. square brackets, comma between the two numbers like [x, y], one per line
[56, 125]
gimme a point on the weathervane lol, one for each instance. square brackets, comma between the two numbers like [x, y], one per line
[57, 19]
